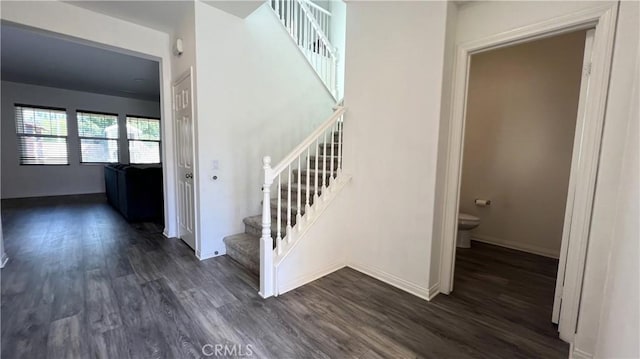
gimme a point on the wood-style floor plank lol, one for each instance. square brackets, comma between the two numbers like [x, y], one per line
[84, 283]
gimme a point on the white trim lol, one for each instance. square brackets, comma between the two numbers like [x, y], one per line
[3, 260]
[302, 280]
[523, 247]
[604, 19]
[202, 256]
[433, 291]
[576, 353]
[393, 280]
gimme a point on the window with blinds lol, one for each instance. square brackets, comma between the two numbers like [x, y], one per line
[42, 135]
[144, 140]
[98, 137]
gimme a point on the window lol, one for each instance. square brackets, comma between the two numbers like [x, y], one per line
[42, 136]
[98, 137]
[144, 139]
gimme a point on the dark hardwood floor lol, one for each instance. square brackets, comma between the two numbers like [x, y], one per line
[83, 283]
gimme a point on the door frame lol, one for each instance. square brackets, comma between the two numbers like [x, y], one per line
[196, 186]
[584, 171]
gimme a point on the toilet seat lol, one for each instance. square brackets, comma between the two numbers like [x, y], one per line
[464, 218]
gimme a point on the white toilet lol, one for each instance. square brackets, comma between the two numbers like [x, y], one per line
[466, 223]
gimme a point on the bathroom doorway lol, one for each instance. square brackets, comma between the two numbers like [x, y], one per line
[520, 129]
[591, 67]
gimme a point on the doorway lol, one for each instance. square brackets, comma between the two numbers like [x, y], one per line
[588, 140]
[520, 125]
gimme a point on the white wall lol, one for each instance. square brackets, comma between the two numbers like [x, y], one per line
[606, 220]
[394, 67]
[620, 318]
[522, 107]
[256, 96]
[337, 36]
[481, 19]
[34, 181]
[111, 33]
[443, 143]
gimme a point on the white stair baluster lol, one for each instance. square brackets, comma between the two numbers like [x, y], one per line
[278, 217]
[299, 216]
[340, 127]
[332, 156]
[324, 160]
[288, 235]
[307, 189]
[315, 182]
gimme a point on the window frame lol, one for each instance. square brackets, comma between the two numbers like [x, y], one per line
[19, 135]
[80, 138]
[159, 141]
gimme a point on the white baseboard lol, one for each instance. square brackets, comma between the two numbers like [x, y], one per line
[395, 281]
[515, 245]
[302, 280]
[206, 255]
[434, 290]
[576, 353]
[3, 260]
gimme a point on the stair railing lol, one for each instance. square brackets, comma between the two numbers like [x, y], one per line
[308, 24]
[325, 144]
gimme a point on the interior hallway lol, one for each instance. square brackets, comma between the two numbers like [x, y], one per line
[82, 282]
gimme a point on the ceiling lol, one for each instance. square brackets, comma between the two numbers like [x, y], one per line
[37, 58]
[164, 16]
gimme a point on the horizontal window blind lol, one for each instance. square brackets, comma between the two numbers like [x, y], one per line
[144, 140]
[42, 136]
[98, 137]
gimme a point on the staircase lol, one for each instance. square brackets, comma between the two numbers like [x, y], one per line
[298, 189]
[320, 168]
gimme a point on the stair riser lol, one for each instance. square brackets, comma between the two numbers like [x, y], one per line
[321, 149]
[294, 192]
[321, 161]
[312, 179]
[294, 198]
[257, 231]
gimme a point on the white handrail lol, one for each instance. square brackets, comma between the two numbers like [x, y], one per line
[299, 150]
[316, 6]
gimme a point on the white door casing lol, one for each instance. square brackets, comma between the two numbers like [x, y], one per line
[584, 88]
[183, 119]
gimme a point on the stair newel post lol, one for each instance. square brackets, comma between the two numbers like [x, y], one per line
[266, 242]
